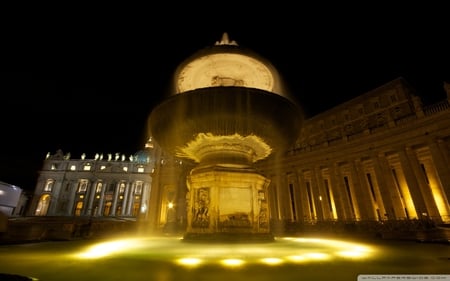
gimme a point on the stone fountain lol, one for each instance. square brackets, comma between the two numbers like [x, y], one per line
[227, 110]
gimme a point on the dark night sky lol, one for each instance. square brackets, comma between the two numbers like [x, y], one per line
[86, 82]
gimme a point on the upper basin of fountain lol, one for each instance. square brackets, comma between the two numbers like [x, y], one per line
[227, 102]
[261, 121]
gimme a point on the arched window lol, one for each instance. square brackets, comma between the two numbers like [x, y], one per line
[49, 185]
[42, 206]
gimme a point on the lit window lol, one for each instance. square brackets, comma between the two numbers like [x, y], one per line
[49, 185]
[103, 167]
[98, 189]
[122, 188]
[125, 169]
[87, 167]
[82, 186]
[53, 167]
[140, 169]
[73, 168]
[138, 188]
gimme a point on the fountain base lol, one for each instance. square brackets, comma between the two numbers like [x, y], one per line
[227, 203]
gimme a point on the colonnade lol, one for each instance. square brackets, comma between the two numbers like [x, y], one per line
[405, 183]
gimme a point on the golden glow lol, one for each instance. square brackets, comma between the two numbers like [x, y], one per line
[271, 261]
[232, 262]
[440, 201]
[317, 256]
[226, 69]
[252, 146]
[296, 259]
[191, 262]
[282, 251]
[105, 249]
[353, 253]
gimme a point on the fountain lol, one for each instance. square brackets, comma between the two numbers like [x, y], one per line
[228, 110]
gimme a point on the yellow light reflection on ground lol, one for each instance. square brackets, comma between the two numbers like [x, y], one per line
[232, 262]
[107, 248]
[317, 256]
[190, 262]
[271, 261]
[283, 250]
[296, 259]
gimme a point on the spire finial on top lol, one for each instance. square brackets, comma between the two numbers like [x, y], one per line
[226, 40]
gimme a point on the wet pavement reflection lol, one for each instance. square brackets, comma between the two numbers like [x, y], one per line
[171, 258]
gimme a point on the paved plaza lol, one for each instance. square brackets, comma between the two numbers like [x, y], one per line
[171, 258]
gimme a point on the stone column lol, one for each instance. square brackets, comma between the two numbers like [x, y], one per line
[125, 200]
[306, 205]
[71, 200]
[442, 165]
[363, 198]
[292, 181]
[299, 196]
[129, 198]
[115, 196]
[391, 201]
[315, 196]
[91, 197]
[340, 194]
[415, 180]
[322, 196]
[101, 200]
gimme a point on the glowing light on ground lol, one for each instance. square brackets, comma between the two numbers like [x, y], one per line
[232, 262]
[296, 258]
[318, 256]
[105, 249]
[171, 258]
[271, 261]
[283, 250]
[190, 262]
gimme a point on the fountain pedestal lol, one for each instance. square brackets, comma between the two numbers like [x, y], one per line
[227, 202]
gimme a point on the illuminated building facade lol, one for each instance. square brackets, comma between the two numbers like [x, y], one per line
[378, 157]
[101, 186]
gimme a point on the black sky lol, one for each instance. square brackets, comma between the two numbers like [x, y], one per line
[86, 81]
